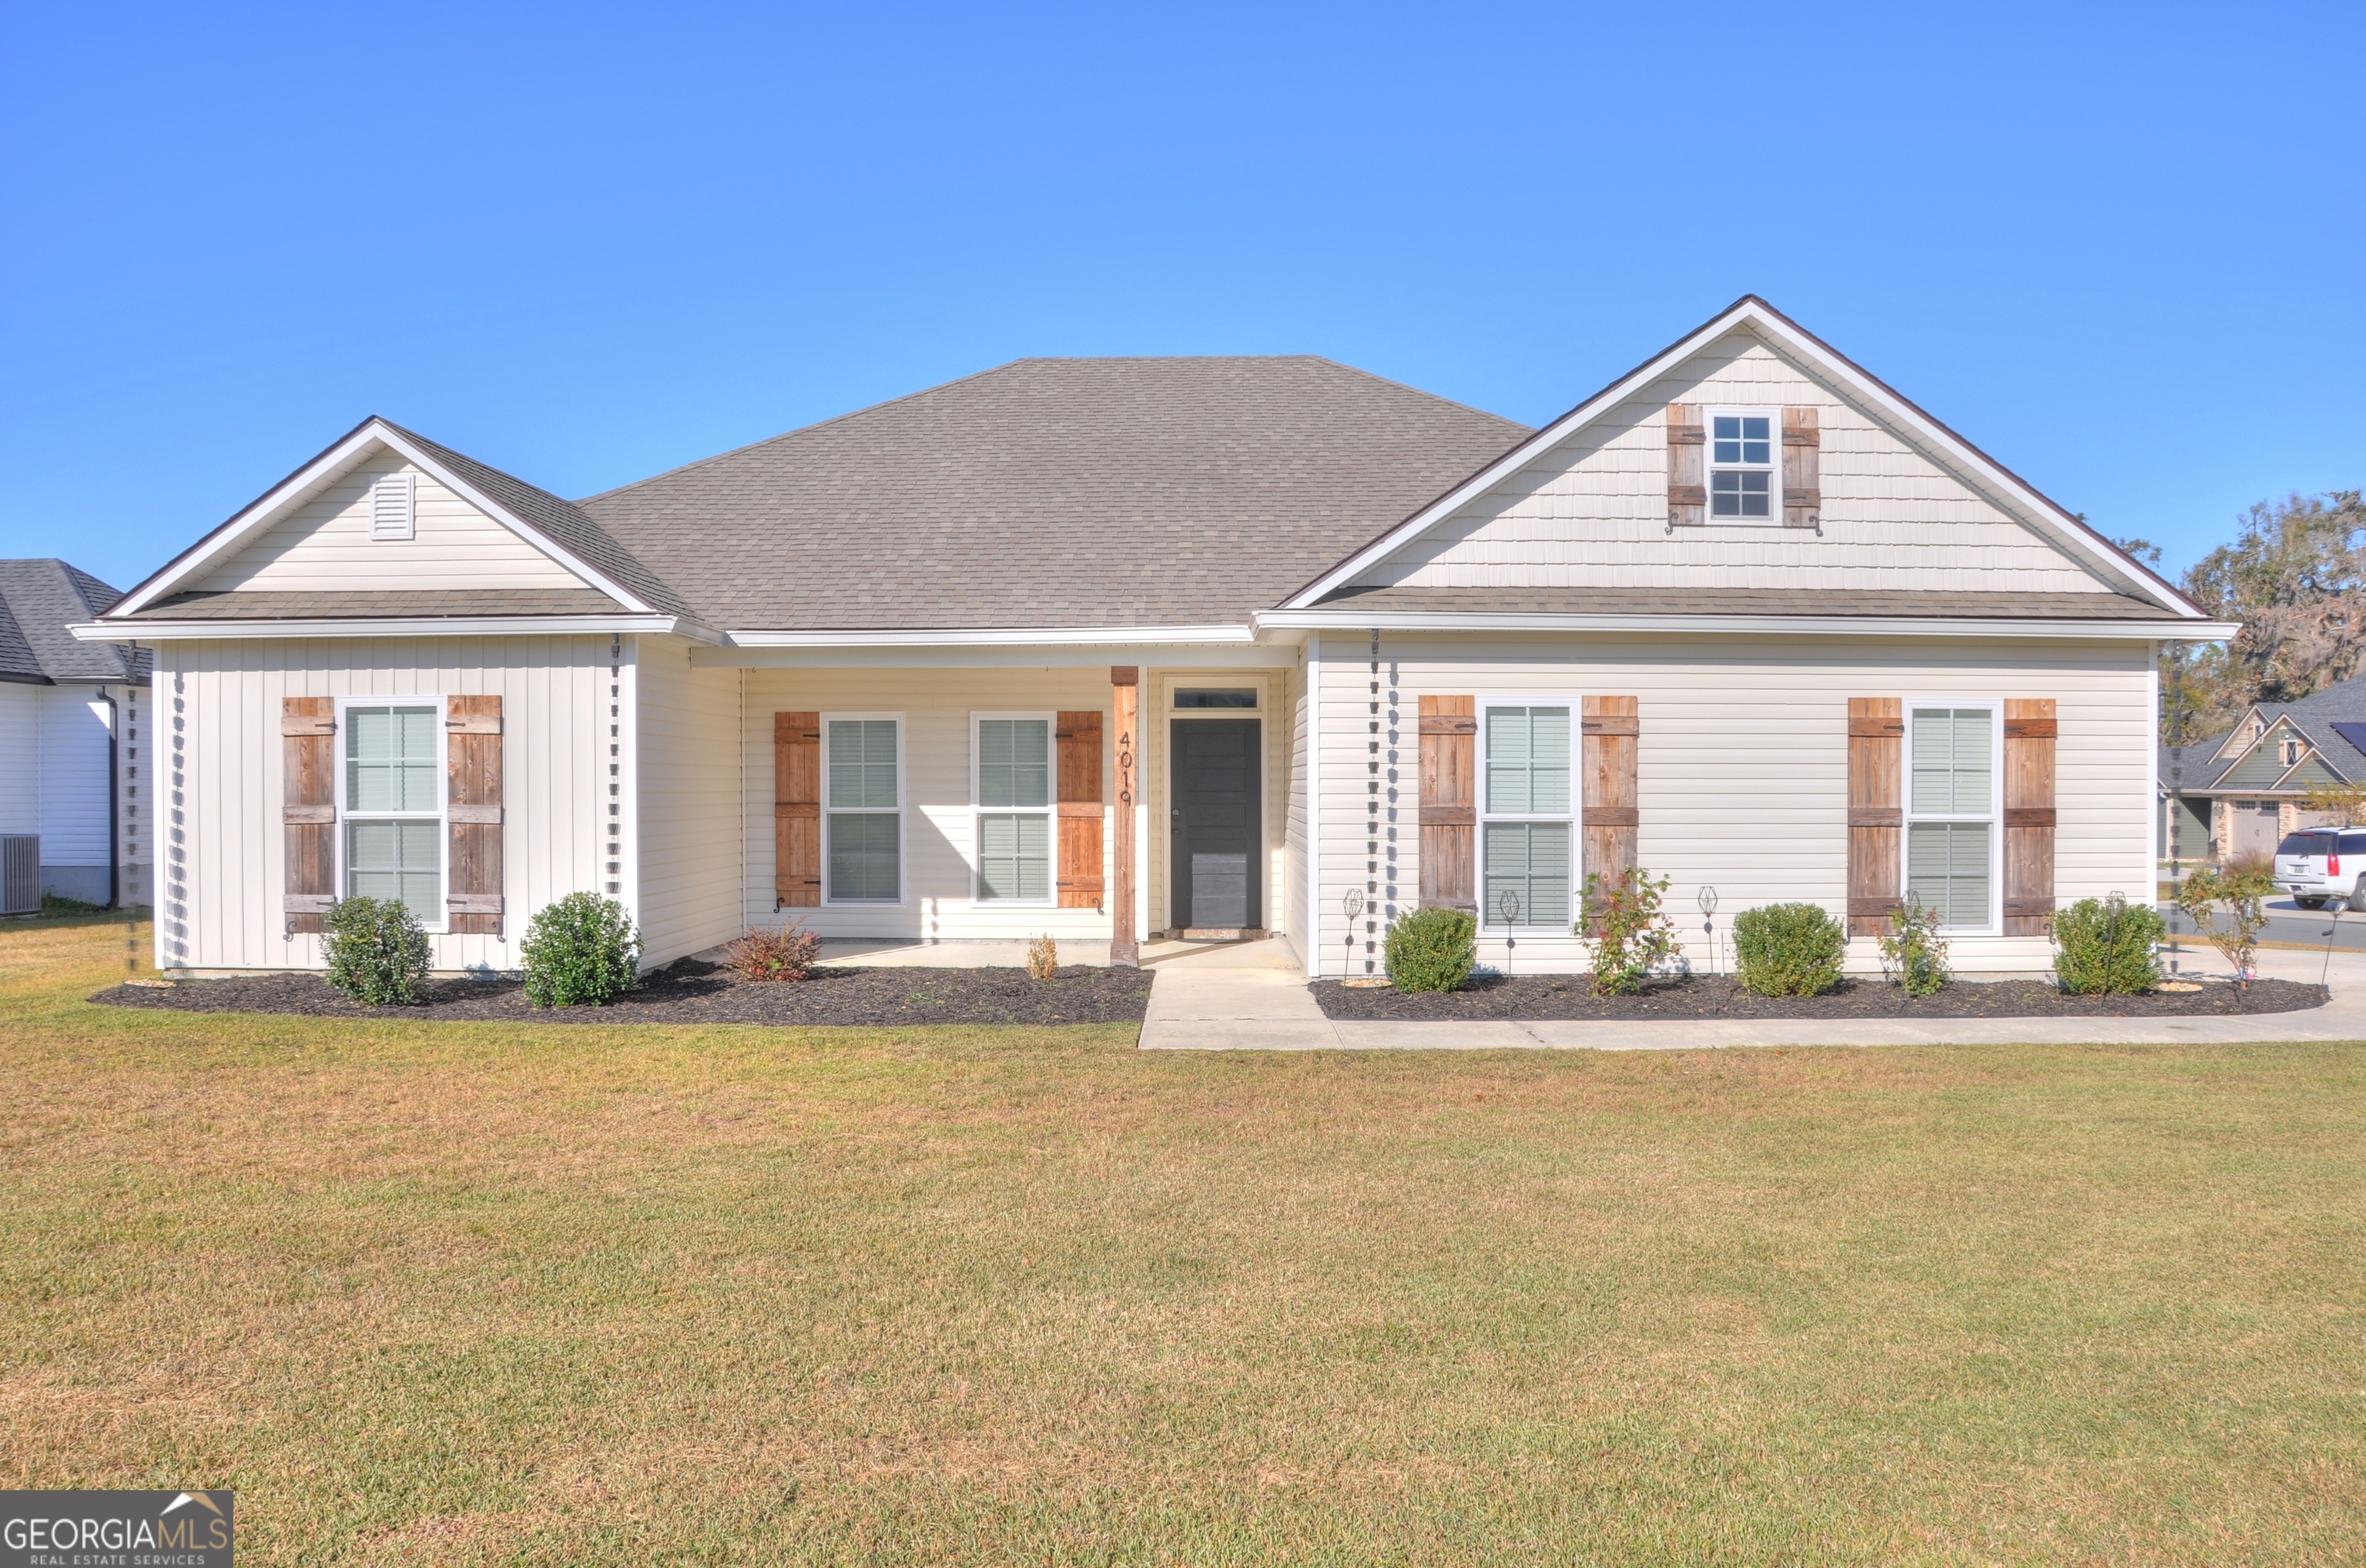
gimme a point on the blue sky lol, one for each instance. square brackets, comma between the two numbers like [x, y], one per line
[2118, 248]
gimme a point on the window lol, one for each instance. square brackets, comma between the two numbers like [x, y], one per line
[1951, 837]
[2291, 749]
[1014, 796]
[394, 807]
[865, 810]
[1742, 463]
[1525, 836]
[1198, 698]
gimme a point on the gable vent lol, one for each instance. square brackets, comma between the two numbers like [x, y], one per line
[390, 507]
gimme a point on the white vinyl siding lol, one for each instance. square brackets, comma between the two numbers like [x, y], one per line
[72, 767]
[863, 828]
[690, 775]
[1952, 841]
[1014, 797]
[1526, 817]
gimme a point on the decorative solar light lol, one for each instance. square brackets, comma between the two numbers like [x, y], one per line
[1352, 905]
[1508, 903]
[1707, 901]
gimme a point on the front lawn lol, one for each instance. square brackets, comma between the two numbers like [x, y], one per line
[463, 1292]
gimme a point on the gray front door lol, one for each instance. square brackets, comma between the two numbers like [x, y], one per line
[1215, 823]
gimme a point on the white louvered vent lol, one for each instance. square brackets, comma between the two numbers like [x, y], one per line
[390, 507]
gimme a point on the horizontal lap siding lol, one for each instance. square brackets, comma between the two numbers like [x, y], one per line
[21, 742]
[691, 779]
[219, 875]
[1742, 760]
[75, 748]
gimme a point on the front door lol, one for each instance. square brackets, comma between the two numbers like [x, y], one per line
[1215, 824]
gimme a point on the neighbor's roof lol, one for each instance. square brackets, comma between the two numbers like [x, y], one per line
[1054, 493]
[2325, 719]
[39, 598]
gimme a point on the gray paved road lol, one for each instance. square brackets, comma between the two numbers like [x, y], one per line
[2287, 921]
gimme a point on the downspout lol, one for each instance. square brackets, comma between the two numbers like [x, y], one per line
[1314, 806]
[113, 799]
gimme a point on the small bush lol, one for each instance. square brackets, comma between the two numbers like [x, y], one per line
[2107, 945]
[377, 951]
[581, 951]
[1912, 953]
[2245, 893]
[1432, 949]
[1788, 950]
[773, 957]
[1042, 957]
[55, 905]
[1628, 929]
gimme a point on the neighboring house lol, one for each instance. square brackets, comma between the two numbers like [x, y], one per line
[70, 717]
[1118, 647]
[2239, 794]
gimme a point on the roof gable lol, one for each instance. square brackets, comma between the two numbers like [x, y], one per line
[39, 600]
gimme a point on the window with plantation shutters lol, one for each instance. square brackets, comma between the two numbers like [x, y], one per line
[1951, 811]
[862, 826]
[1525, 828]
[394, 824]
[1012, 758]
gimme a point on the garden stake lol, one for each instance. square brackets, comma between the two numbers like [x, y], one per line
[1509, 905]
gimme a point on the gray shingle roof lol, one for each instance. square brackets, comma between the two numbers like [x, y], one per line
[39, 600]
[2314, 715]
[1752, 601]
[245, 605]
[1073, 493]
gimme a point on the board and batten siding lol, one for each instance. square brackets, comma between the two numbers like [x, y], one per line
[691, 776]
[1593, 511]
[221, 873]
[324, 545]
[1742, 762]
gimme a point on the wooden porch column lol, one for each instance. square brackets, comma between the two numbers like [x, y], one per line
[1125, 693]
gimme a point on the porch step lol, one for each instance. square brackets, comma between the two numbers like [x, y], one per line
[1218, 933]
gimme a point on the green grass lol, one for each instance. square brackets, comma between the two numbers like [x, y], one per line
[467, 1294]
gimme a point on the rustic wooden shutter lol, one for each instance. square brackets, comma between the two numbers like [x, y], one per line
[1080, 810]
[796, 810]
[1687, 478]
[308, 762]
[1803, 496]
[1611, 733]
[472, 805]
[1449, 802]
[2029, 727]
[1877, 754]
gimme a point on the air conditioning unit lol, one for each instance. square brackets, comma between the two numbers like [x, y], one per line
[20, 874]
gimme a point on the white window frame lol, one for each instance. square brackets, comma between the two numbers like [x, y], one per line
[903, 836]
[980, 811]
[1483, 816]
[1773, 469]
[347, 815]
[1908, 815]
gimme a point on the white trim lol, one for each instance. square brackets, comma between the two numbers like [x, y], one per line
[1908, 815]
[1740, 625]
[1481, 814]
[1314, 934]
[440, 707]
[1771, 468]
[625, 702]
[389, 625]
[986, 637]
[1253, 682]
[328, 466]
[978, 810]
[2152, 769]
[902, 826]
[2032, 509]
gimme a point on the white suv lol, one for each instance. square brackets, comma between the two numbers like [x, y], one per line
[2324, 865]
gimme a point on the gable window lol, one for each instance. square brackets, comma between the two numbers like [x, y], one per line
[2293, 749]
[1950, 813]
[1012, 755]
[393, 832]
[863, 774]
[1526, 818]
[1743, 453]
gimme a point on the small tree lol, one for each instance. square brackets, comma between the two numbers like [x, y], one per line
[1911, 953]
[2346, 800]
[1628, 930]
[2107, 945]
[377, 951]
[2244, 893]
[581, 951]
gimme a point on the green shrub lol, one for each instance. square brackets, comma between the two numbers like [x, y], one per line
[1432, 949]
[2107, 945]
[1628, 929]
[1788, 950]
[377, 951]
[581, 951]
[2243, 889]
[1912, 953]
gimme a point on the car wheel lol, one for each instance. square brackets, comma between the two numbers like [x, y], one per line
[2356, 899]
[2309, 903]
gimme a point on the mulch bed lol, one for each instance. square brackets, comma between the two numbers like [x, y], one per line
[689, 991]
[1550, 997]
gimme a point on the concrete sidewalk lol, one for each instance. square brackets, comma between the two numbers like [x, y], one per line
[1253, 998]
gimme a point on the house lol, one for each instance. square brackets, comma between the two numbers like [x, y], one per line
[1119, 647]
[2238, 795]
[77, 822]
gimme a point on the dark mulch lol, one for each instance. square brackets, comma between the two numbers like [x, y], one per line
[691, 992]
[1545, 996]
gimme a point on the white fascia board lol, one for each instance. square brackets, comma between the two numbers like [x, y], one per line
[1044, 636]
[1744, 625]
[389, 625]
[2035, 509]
[275, 501]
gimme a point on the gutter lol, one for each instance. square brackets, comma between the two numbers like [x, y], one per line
[1744, 625]
[403, 625]
[997, 636]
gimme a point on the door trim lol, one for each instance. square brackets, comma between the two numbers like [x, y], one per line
[1261, 853]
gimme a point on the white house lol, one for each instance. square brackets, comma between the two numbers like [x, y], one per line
[72, 812]
[1120, 647]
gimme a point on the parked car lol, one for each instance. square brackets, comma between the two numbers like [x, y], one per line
[2324, 865]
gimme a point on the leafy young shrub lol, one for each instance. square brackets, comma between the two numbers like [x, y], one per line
[581, 951]
[1788, 950]
[2243, 891]
[1042, 957]
[783, 957]
[1628, 929]
[1432, 949]
[377, 951]
[2107, 945]
[1912, 953]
